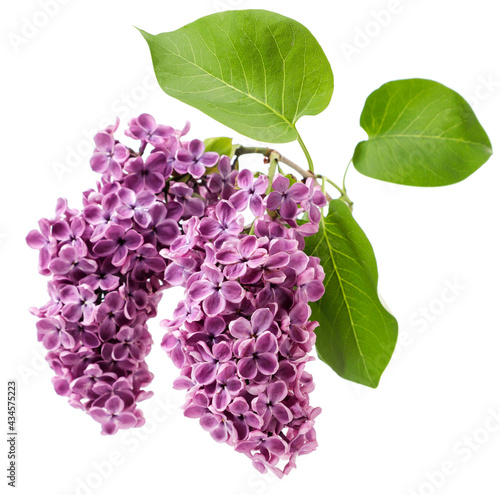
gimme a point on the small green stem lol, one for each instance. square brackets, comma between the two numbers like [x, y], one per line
[345, 173]
[308, 156]
[273, 163]
[275, 157]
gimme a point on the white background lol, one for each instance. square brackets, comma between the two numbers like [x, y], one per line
[88, 64]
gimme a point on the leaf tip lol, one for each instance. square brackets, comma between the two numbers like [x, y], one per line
[145, 34]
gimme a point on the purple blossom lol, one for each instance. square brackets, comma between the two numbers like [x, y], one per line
[224, 181]
[149, 175]
[108, 156]
[214, 291]
[242, 334]
[205, 371]
[44, 242]
[192, 159]
[119, 242]
[112, 416]
[260, 321]
[258, 355]
[162, 228]
[71, 263]
[251, 191]
[241, 256]
[110, 315]
[78, 302]
[244, 419]
[146, 129]
[135, 205]
[226, 220]
[269, 404]
[52, 333]
[285, 197]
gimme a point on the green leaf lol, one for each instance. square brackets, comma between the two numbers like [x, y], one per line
[421, 133]
[356, 335]
[255, 71]
[221, 145]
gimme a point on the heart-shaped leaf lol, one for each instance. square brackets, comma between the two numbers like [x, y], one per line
[421, 133]
[255, 71]
[356, 335]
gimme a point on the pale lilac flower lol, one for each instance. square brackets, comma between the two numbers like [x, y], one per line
[260, 321]
[92, 374]
[78, 302]
[214, 291]
[119, 242]
[269, 404]
[205, 371]
[228, 385]
[224, 181]
[135, 205]
[44, 242]
[108, 156]
[251, 190]
[285, 197]
[112, 416]
[146, 129]
[193, 160]
[244, 418]
[104, 277]
[162, 228]
[226, 221]
[120, 388]
[315, 201]
[110, 315]
[149, 174]
[71, 263]
[258, 355]
[52, 333]
[183, 194]
[240, 256]
[129, 343]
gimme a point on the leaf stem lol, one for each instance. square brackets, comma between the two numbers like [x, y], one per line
[275, 156]
[345, 173]
[306, 152]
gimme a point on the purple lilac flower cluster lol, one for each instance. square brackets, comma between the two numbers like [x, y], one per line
[241, 336]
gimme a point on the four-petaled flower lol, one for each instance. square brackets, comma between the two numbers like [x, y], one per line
[240, 256]
[119, 242]
[146, 129]
[193, 159]
[258, 355]
[250, 189]
[112, 416]
[214, 291]
[109, 156]
[269, 404]
[285, 197]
